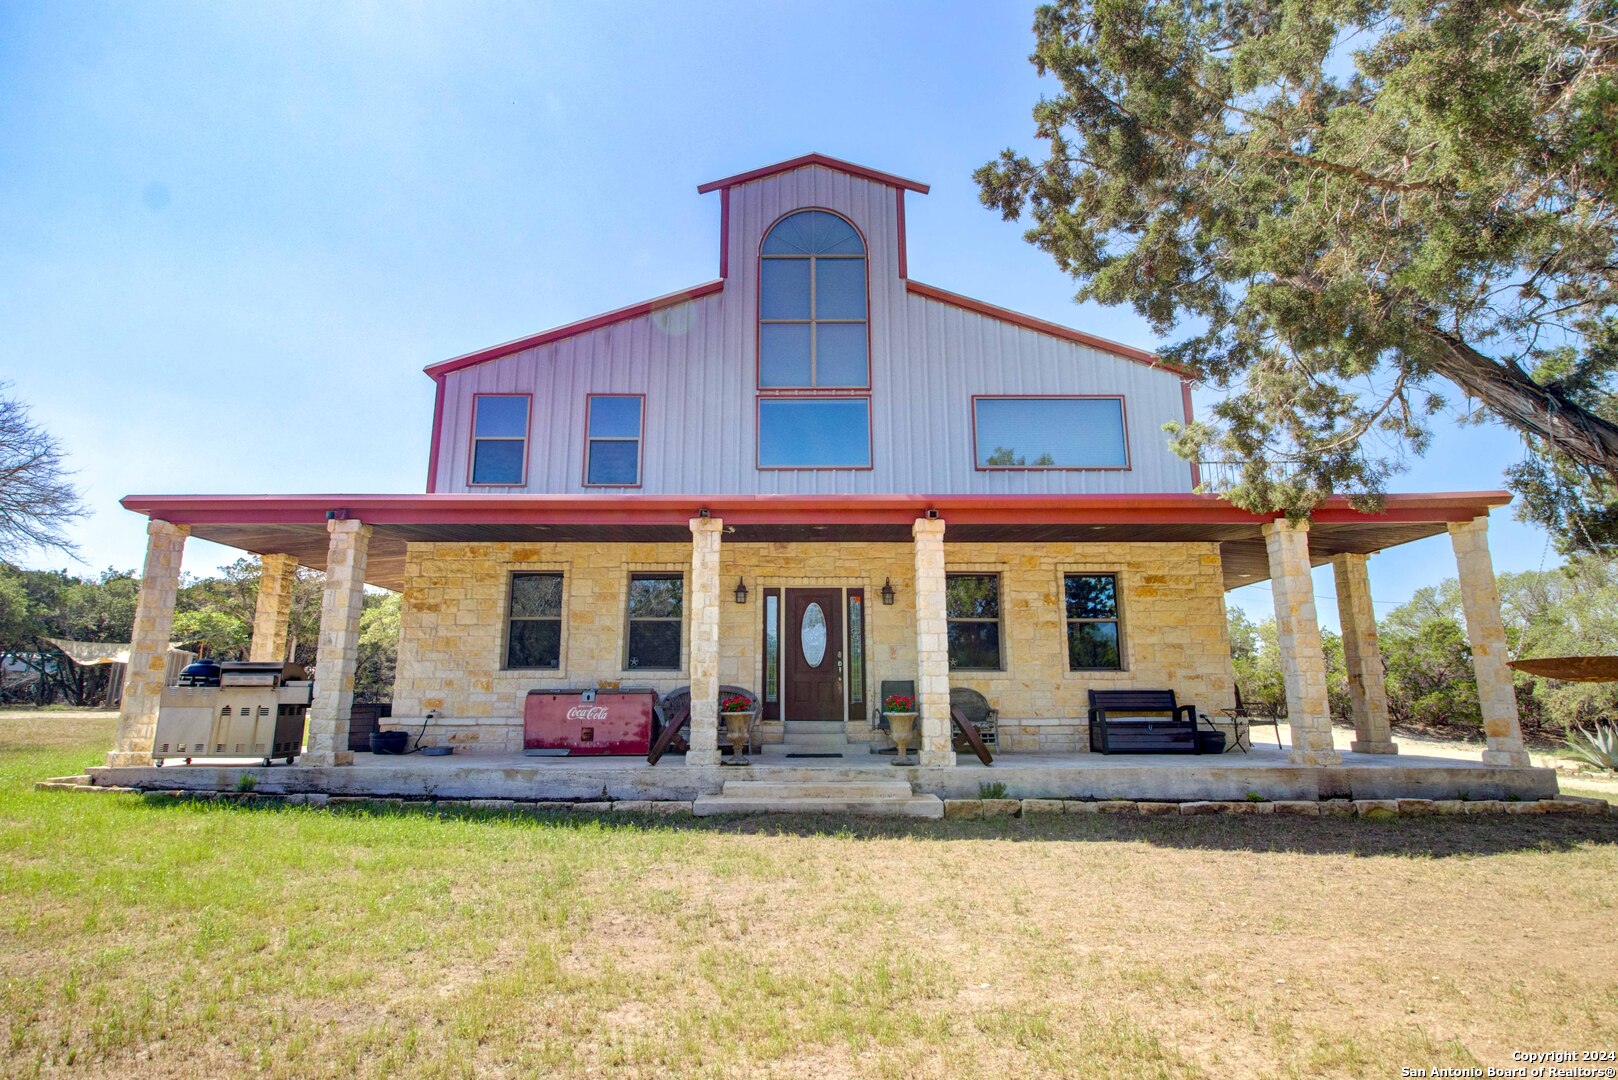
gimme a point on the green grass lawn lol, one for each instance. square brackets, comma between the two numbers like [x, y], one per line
[153, 938]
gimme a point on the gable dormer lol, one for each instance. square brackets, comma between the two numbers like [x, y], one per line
[751, 202]
[814, 363]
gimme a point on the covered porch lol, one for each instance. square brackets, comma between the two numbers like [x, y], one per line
[360, 539]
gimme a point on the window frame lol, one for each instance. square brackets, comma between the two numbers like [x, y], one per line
[1117, 619]
[560, 620]
[639, 440]
[758, 433]
[759, 321]
[854, 651]
[629, 621]
[999, 620]
[1123, 418]
[473, 439]
[771, 622]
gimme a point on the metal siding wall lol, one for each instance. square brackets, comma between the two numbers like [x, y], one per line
[695, 363]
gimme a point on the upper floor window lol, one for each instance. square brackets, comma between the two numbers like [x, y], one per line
[1049, 433]
[812, 304]
[612, 451]
[814, 432]
[500, 439]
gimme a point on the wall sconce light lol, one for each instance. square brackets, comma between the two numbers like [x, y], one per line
[741, 591]
[887, 591]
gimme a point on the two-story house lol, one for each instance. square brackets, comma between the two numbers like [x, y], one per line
[806, 477]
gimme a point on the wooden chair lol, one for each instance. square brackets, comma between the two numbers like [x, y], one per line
[969, 711]
[975, 709]
[676, 717]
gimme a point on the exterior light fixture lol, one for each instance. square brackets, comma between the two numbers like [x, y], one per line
[887, 591]
[741, 591]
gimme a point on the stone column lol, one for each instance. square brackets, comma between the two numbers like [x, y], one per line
[932, 645]
[703, 603]
[1303, 661]
[1367, 685]
[338, 652]
[1486, 634]
[274, 611]
[149, 645]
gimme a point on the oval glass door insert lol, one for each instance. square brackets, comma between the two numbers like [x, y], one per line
[812, 635]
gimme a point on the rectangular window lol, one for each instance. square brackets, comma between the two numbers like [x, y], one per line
[972, 608]
[534, 631]
[1049, 433]
[813, 322]
[500, 439]
[772, 653]
[656, 604]
[1092, 622]
[856, 651]
[814, 433]
[612, 451]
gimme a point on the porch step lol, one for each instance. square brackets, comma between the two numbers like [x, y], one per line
[881, 798]
[817, 789]
[817, 737]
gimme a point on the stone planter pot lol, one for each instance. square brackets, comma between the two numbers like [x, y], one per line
[902, 726]
[738, 732]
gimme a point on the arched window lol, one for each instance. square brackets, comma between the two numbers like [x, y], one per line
[812, 310]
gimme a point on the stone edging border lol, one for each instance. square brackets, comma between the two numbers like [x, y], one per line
[1366, 808]
[646, 806]
[957, 809]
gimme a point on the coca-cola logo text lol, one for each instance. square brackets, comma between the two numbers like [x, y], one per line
[587, 712]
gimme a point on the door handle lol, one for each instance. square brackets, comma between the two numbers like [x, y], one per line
[839, 666]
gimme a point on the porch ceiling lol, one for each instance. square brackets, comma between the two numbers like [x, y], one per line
[296, 525]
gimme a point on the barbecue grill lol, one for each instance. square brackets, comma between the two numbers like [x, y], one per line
[255, 710]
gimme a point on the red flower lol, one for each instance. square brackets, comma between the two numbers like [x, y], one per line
[899, 703]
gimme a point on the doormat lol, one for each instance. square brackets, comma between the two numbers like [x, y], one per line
[814, 755]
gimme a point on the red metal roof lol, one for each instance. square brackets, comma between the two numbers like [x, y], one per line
[1029, 322]
[600, 509]
[594, 322]
[814, 159]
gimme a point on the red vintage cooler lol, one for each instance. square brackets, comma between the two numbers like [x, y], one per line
[564, 722]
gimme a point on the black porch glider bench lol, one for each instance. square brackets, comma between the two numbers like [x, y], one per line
[1117, 726]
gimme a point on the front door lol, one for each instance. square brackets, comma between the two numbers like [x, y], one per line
[814, 649]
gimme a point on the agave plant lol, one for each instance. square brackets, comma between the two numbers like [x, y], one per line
[1599, 748]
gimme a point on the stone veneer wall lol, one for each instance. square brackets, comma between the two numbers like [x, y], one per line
[452, 627]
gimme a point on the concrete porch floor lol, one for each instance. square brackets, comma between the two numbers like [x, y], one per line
[1265, 771]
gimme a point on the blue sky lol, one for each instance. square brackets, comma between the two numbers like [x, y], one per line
[232, 235]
